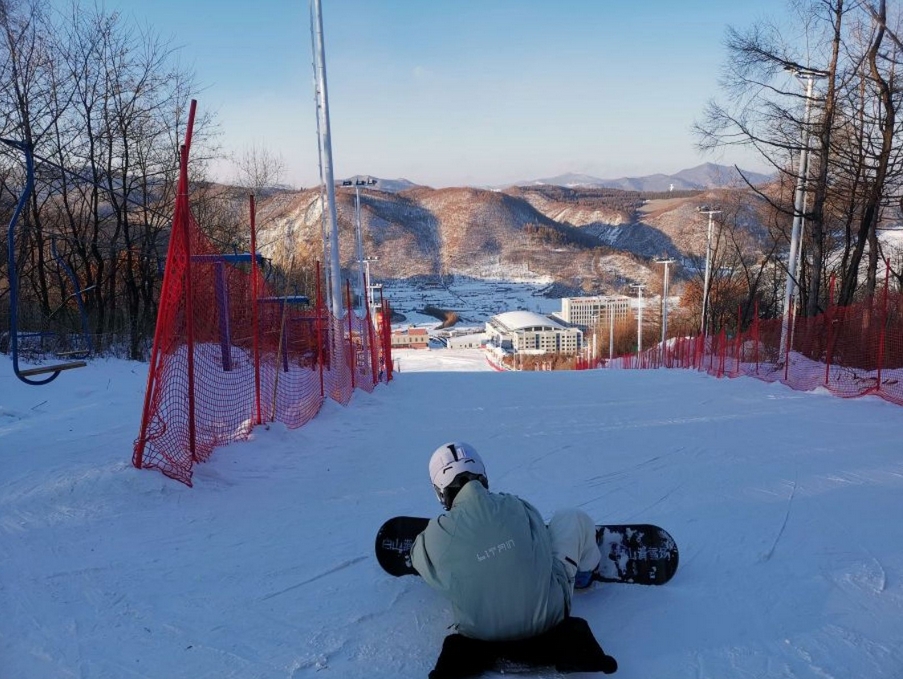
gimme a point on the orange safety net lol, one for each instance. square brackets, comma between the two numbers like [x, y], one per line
[230, 353]
[850, 351]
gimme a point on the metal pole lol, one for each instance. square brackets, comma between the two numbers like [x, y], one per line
[708, 271]
[611, 330]
[326, 158]
[639, 318]
[790, 285]
[324, 234]
[359, 237]
[368, 284]
[666, 262]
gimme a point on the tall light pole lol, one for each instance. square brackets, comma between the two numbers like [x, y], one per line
[708, 269]
[666, 262]
[639, 319]
[798, 203]
[359, 242]
[325, 138]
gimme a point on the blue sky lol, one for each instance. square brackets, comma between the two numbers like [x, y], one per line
[449, 93]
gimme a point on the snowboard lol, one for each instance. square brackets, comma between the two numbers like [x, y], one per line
[640, 553]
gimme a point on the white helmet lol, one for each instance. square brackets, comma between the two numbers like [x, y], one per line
[451, 466]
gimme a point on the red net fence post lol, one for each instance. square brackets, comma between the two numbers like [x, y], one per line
[722, 351]
[738, 343]
[882, 333]
[829, 319]
[375, 368]
[386, 324]
[185, 233]
[756, 342]
[350, 314]
[174, 461]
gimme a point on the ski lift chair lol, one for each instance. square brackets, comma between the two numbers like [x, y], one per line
[52, 371]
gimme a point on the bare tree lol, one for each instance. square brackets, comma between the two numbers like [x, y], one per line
[26, 97]
[855, 166]
[257, 168]
[876, 158]
[102, 105]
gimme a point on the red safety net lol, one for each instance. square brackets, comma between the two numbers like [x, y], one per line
[850, 351]
[230, 352]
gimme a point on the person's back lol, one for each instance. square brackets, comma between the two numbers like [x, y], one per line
[508, 576]
[491, 556]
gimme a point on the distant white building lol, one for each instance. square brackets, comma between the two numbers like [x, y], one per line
[526, 331]
[590, 311]
[470, 341]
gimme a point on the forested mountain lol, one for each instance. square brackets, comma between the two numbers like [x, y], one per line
[597, 240]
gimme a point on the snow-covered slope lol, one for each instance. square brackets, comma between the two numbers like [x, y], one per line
[786, 507]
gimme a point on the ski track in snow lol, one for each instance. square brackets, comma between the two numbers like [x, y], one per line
[264, 569]
[336, 569]
[777, 538]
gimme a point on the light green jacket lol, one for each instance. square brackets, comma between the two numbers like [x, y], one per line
[491, 556]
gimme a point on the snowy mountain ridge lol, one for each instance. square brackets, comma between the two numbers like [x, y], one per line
[701, 177]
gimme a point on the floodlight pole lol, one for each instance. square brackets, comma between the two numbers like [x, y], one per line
[359, 238]
[639, 319]
[708, 271]
[798, 207]
[325, 139]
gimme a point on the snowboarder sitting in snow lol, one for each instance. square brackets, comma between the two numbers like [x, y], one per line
[507, 575]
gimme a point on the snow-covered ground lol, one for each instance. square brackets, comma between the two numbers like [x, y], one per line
[787, 508]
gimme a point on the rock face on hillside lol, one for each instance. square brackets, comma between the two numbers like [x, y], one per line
[596, 240]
